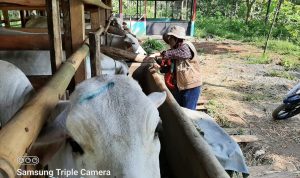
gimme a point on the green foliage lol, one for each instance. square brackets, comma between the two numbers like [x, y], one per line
[152, 45]
[251, 97]
[290, 63]
[227, 20]
[281, 74]
[263, 59]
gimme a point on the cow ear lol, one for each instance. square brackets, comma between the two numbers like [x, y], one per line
[158, 98]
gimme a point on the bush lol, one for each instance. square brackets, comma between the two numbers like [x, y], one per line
[152, 45]
[290, 63]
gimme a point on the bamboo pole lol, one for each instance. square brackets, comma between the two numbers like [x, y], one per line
[21, 131]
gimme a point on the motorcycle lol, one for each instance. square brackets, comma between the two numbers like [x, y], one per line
[290, 106]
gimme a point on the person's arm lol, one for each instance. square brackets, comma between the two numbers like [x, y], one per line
[181, 53]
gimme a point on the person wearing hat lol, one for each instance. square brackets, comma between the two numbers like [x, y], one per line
[186, 67]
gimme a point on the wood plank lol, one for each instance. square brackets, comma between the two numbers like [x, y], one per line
[30, 30]
[54, 31]
[26, 2]
[24, 42]
[103, 19]
[19, 7]
[77, 33]
[244, 138]
[201, 108]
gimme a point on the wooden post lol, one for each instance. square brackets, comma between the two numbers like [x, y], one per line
[67, 28]
[94, 39]
[54, 31]
[103, 17]
[95, 18]
[193, 17]
[22, 130]
[120, 9]
[23, 18]
[24, 42]
[78, 33]
[6, 18]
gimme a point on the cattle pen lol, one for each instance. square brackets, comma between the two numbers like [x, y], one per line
[186, 152]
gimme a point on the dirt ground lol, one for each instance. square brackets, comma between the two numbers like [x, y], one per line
[243, 95]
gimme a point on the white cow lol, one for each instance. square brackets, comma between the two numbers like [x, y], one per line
[112, 125]
[15, 90]
[37, 22]
[122, 42]
[111, 66]
[33, 62]
[108, 124]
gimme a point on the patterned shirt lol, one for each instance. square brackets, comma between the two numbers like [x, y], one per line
[182, 52]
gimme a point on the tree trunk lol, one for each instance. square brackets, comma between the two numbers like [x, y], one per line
[233, 7]
[272, 25]
[268, 12]
[249, 5]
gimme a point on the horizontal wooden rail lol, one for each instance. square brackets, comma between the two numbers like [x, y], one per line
[22, 130]
[25, 2]
[29, 30]
[25, 42]
[98, 3]
[20, 7]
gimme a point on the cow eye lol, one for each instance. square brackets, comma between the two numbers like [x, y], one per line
[158, 129]
[76, 148]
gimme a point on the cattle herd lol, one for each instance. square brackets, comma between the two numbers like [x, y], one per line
[107, 127]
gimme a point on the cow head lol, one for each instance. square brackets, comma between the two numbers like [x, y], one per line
[134, 42]
[112, 125]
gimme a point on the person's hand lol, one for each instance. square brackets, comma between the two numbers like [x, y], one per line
[151, 57]
[154, 68]
[154, 55]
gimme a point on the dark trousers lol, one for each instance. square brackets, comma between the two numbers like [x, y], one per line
[187, 98]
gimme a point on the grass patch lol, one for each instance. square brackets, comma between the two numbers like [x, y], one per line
[252, 97]
[263, 59]
[281, 74]
[290, 63]
[152, 45]
[279, 46]
[214, 109]
[253, 32]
